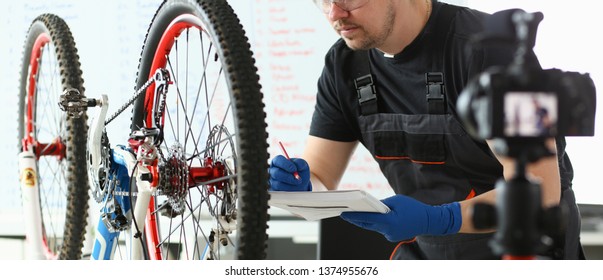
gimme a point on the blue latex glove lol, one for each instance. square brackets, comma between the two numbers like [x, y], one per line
[408, 218]
[281, 174]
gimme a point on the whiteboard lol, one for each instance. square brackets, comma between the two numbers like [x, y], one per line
[289, 39]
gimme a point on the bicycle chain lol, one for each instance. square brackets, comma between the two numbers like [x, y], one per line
[137, 94]
[101, 191]
[131, 100]
[104, 186]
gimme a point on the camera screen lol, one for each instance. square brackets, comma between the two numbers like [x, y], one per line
[530, 114]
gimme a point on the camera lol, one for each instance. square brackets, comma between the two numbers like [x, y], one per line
[521, 100]
[521, 105]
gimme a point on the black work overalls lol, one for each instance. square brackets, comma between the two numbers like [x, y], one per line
[430, 157]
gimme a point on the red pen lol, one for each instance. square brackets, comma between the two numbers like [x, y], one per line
[295, 174]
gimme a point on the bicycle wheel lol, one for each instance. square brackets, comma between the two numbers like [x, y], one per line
[50, 66]
[212, 198]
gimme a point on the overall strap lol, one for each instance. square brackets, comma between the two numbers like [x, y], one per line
[434, 81]
[365, 88]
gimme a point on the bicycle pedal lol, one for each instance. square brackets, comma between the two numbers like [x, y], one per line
[74, 103]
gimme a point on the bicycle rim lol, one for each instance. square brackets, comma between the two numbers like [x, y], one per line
[211, 201]
[50, 66]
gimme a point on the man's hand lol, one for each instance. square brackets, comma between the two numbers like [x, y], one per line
[281, 174]
[408, 218]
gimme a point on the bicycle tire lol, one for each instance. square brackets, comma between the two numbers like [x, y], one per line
[50, 66]
[229, 47]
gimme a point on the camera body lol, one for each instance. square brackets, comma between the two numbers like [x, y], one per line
[530, 103]
[522, 100]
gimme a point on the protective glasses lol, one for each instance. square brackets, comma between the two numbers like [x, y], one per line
[346, 5]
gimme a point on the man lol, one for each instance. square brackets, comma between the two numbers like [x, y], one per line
[373, 91]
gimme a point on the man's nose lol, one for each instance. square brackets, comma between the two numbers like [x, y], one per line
[336, 12]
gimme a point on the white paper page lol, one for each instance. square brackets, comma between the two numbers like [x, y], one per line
[320, 205]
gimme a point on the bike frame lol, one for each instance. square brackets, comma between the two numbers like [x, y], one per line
[106, 238]
[125, 165]
[30, 195]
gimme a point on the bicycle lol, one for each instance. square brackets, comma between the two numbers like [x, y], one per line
[191, 182]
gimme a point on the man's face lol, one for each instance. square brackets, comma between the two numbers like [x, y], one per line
[366, 27]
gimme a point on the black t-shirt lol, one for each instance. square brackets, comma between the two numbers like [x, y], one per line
[400, 80]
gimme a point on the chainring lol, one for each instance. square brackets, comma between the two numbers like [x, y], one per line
[100, 191]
